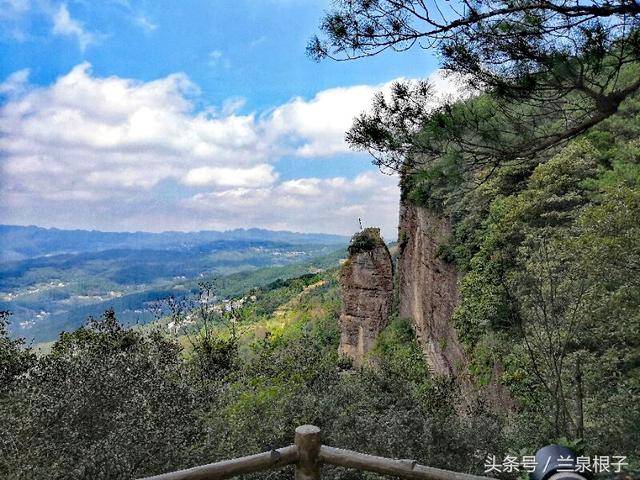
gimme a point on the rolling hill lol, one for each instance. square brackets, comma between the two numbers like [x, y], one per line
[52, 280]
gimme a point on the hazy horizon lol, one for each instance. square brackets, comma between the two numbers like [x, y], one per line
[170, 231]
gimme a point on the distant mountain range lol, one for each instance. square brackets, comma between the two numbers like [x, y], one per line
[54, 279]
[19, 243]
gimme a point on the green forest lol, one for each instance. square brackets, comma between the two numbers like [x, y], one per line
[110, 402]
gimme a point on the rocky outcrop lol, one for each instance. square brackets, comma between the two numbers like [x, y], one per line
[428, 287]
[366, 280]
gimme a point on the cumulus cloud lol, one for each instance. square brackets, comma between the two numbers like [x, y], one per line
[64, 25]
[331, 205]
[317, 127]
[255, 177]
[116, 153]
[140, 132]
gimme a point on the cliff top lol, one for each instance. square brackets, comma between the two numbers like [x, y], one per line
[365, 241]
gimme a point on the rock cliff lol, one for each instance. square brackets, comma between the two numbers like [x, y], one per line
[367, 293]
[428, 287]
[426, 290]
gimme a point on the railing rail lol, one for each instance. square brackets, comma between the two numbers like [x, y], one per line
[237, 466]
[409, 469]
[308, 455]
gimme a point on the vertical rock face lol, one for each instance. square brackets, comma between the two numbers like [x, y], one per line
[367, 292]
[428, 287]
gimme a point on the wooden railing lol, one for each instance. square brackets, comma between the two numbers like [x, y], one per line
[308, 454]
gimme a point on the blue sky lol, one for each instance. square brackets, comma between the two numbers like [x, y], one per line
[123, 115]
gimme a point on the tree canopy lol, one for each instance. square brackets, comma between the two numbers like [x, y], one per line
[553, 70]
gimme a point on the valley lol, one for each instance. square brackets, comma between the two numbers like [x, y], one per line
[50, 289]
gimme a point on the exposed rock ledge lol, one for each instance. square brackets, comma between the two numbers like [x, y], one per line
[428, 288]
[367, 293]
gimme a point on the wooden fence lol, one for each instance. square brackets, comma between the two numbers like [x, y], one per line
[308, 454]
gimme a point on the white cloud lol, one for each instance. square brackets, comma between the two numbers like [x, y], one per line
[232, 105]
[331, 205]
[12, 19]
[64, 25]
[82, 129]
[144, 23]
[317, 127]
[135, 15]
[302, 187]
[16, 83]
[13, 8]
[255, 177]
[116, 153]
[217, 58]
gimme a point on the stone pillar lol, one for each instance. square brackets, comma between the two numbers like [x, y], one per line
[367, 293]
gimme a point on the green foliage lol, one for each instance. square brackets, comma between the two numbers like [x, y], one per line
[269, 298]
[397, 351]
[394, 409]
[548, 72]
[15, 362]
[106, 403]
[14, 358]
[365, 241]
[550, 290]
[110, 402]
[541, 176]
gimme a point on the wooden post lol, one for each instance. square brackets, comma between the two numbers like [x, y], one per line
[307, 440]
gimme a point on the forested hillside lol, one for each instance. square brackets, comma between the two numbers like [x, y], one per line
[549, 252]
[20, 242]
[535, 174]
[67, 275]
[108, 402]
